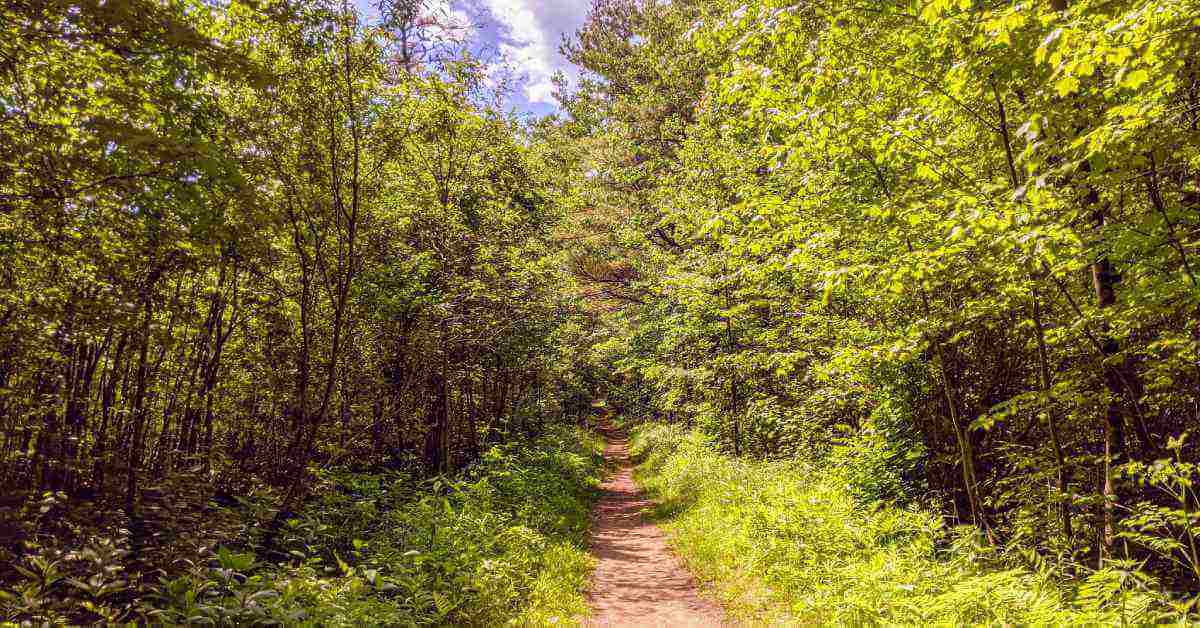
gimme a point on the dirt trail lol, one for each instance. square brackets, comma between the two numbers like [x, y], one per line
[638, 582]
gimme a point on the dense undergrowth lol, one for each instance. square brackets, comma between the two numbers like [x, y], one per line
[790, 541]
[500, 543]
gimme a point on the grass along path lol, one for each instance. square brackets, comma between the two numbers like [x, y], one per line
[786, 543]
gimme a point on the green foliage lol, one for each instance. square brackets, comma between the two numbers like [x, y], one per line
[254, 254]
[787, 541]
[982, 216]
[286, 298]
[883, 459]
[1168, 530]
[503, 543]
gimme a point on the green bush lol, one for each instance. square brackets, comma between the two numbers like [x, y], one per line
[794, 542]
[503, 543]
[883, 459]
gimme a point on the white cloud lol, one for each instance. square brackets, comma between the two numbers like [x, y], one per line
[533, 29]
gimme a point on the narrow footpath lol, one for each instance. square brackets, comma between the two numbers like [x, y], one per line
[638, 581]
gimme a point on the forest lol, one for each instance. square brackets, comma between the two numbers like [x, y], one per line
[302, 323]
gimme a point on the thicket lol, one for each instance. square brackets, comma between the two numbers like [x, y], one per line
[244, 245]
[501, 542]
[787, 541]
[957, 234]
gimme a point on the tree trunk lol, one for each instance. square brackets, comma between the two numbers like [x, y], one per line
[1064, 507]
[1114, 419]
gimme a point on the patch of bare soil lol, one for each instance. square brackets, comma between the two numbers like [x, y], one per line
[638, 581]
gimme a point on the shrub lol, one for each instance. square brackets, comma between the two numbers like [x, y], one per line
[794, 541]
[501, 543]
[884, 458]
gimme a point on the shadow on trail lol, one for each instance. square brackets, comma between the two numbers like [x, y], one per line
[638, 582]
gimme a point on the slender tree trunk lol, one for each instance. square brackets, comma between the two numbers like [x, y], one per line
[472, 429]
[734, 401]
[1039, 332]
[1103, 280]
[436, 418]
[1064, 507]
[108, 399]
[1114, 419]
[134, 458]
[965, 450]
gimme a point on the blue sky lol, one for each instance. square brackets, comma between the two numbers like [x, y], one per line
[520, 40]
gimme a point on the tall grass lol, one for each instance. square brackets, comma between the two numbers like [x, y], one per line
[789, 543]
